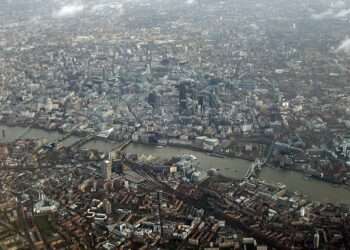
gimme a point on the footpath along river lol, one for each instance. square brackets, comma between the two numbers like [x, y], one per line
[231, 167]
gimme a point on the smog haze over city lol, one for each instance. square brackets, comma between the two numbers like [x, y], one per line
[174, 124]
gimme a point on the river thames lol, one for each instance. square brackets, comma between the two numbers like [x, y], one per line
[230, 167]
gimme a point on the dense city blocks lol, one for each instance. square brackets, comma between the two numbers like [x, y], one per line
[174, 124]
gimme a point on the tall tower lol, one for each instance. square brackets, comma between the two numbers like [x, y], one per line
[182, 98]
[3, 85]
[316, 240]
[149, 59]
[107, 206]
[160, 219]
[107, 170]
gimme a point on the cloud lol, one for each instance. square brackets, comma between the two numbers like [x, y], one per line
[336, 10]
[326, 14]
[344, 46]
[96, 8]
[69, 10]
[342, 13]
[100, 8]
[338, 5]
[331, 14]
[190, 1]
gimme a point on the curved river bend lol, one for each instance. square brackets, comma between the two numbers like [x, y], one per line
[314, 189]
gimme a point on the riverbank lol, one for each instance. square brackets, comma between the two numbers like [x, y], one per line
[36, 126]
[197, 149]
[308, 175]
[230, 167]
[111, 141]
[107, 140]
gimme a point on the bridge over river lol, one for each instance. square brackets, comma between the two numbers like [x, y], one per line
[230, 167]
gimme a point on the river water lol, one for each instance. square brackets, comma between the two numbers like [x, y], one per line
[314, 189]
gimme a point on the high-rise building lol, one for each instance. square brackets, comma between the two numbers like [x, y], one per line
[154, 100]
[107, 170]
[107, 206]
[182, 98]
[316, 240]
